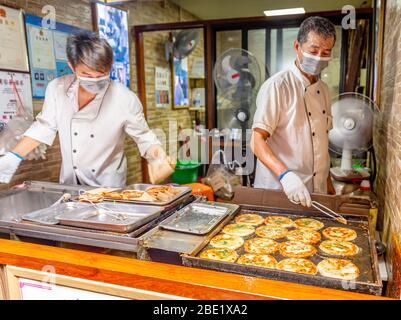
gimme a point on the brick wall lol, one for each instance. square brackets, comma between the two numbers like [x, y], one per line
[387, 142]
[78, 13]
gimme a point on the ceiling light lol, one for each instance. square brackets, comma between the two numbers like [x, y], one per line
[282, 12]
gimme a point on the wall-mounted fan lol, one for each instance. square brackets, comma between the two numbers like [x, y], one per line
[352, 131]
[182, 44]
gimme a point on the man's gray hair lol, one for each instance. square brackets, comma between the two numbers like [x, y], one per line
[322, 26]
[90, 49]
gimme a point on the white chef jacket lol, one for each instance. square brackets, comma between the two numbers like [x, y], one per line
[297, 115]
[92, 139]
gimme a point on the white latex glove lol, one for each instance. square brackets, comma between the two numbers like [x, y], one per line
[295, 189]
[9, 163]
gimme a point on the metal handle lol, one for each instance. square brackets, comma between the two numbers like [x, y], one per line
[325, 210]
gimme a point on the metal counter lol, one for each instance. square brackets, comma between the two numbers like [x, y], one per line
[39, 195]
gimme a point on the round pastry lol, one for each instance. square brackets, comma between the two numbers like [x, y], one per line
[115, 195]
[341, 234]
[241, 230]
[220, 254]
[261, 246]
[250, 219]
[296, 249]
[279, 221]
[259, 260]
[339, 248]
[271, 232]
[309, 223]
[304, 235]
[304, 266]
[131, 194]
[338, 268]
[227, 241]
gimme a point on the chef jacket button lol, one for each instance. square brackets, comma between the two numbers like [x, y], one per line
[75, 133]
[75, 151]
[93, 170]
[92, 136]
[75, 168]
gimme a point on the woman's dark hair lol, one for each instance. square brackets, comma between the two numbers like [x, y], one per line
[320, 25]
[90, 49]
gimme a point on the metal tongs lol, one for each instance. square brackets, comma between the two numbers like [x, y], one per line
[109, 212]
[327, 211]
[64, 198]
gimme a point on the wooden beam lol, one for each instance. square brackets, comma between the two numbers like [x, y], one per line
[159, 277]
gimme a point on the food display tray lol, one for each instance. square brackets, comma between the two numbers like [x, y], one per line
[96, 217]
[181, 196]
[48, 215]
[368, 281]
[199, 218]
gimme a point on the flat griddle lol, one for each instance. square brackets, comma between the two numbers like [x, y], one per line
[368, 282]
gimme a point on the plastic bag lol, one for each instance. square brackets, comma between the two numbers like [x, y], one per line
[12, 131]
[221, 176]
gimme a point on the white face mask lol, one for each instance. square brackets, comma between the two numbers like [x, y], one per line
[94, 85]
[312, 64]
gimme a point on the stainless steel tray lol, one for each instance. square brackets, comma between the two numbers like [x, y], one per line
[199, 218]
[48, 215]
[95, 217]
[185, 192]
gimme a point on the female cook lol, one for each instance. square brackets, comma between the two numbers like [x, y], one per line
[92, 116]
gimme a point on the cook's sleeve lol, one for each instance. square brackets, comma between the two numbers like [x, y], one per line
[268, 105]
[137, 127]
[44, 129]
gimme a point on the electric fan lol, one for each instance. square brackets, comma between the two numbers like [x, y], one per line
[237, 76]
[182, 44]
[352, 132]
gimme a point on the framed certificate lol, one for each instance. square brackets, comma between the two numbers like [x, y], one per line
[13, 53]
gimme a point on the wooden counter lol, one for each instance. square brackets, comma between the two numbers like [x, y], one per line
[143, 279]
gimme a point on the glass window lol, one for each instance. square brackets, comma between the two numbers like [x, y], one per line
[257, 46]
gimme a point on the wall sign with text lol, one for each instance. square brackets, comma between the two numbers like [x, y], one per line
[47, 52]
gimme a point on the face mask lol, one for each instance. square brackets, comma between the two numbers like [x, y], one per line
[312, 64]
[94, 85]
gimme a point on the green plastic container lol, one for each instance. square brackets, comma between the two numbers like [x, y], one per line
[186, 171]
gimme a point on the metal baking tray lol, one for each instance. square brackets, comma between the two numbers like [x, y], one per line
[199, 218]
[369, 280]
[96, 217]
[185, 193]
[48, 215]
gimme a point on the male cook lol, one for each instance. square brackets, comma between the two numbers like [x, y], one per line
[293, 118]
[92, 116]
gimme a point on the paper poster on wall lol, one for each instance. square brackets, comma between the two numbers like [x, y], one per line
[14, 86]
[113, 25]
[42, 48]
[162, 87]
[198, 68]
[13, 53]
[181, 83]
[47, 52]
